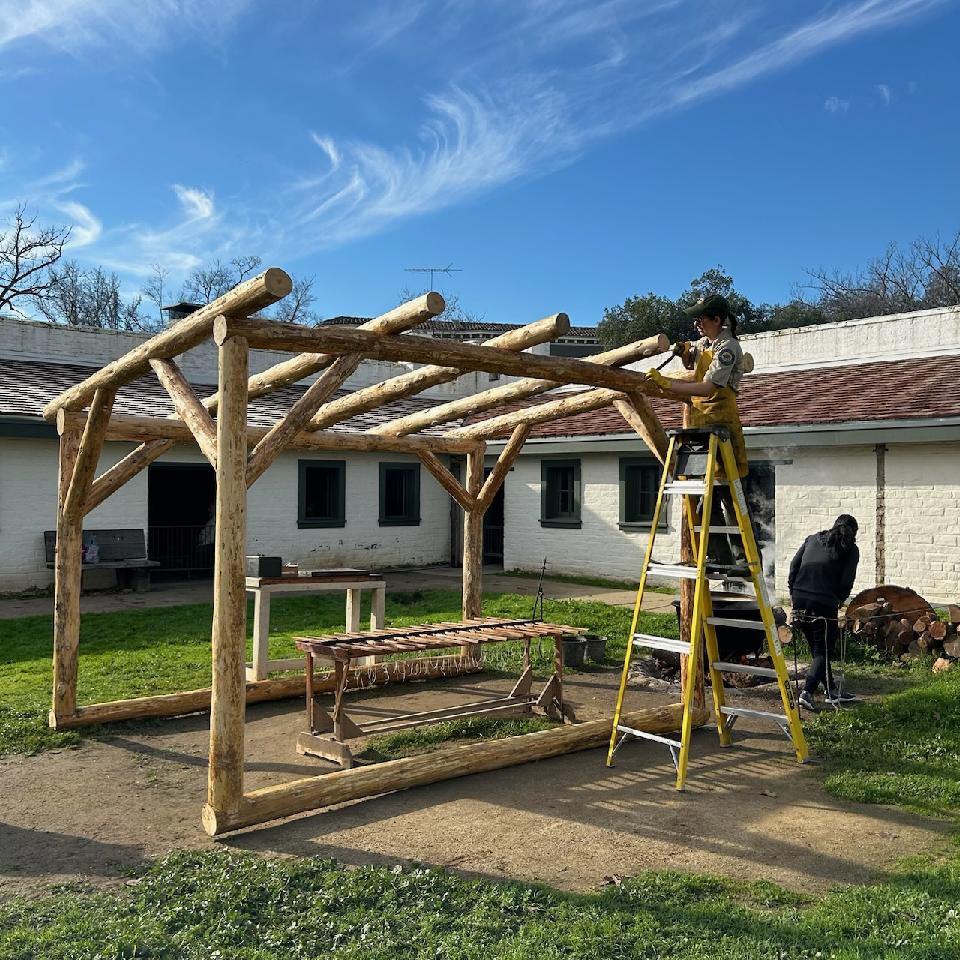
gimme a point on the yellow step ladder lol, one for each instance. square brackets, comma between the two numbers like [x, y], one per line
[692, 472]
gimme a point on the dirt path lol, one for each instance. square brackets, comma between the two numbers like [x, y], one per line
[88, 813]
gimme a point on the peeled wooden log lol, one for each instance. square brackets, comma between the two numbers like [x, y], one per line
[511, 392]
[245, 298]
[267, 335]
[311, 793]
[260, 691]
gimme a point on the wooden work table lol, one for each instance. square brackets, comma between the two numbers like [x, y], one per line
[354, 582]
[328, 732]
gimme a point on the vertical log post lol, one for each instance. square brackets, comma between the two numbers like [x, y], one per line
[228, 689]
[67, 575]
[473, 542]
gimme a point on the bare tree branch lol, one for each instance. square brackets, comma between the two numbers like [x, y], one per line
[26, 254]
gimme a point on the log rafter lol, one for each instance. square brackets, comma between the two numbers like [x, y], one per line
[512, 392]
[409, 384]
[188, 407]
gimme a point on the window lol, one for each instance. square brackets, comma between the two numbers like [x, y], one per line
[560, 493]
[639, 483]
[321, 496]
[399, 494]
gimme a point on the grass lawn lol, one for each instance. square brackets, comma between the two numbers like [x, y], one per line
[162, 650]
[903, 750]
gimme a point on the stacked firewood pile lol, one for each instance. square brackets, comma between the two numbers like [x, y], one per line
[900, 623]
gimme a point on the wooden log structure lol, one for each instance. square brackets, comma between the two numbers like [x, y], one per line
[467, 356]
[131, 427]
[280, 375]
[245, 298]
[313, 793]
[408, 384]
[261, 691]
[333, 352]
[512, 392]
[229, 635]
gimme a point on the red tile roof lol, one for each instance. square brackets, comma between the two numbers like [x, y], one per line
[895, 390]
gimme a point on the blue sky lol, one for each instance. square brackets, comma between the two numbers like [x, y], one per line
[564, 154]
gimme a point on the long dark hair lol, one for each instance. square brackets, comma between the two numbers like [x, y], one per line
[840, 538]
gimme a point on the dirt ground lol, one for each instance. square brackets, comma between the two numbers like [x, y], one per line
[750, 811]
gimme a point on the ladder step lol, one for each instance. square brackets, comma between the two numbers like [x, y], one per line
[649, 736]
[746, 712]
[740, 624]
[690, 486]
[679, 571]
[715, 529]
[744, 668]
[661, 643]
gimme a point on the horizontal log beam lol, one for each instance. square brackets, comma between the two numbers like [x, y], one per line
[245, 298]
[311, 793]
[260, 691]
[511, 392]
[128, 428]
[409, 384]
[407, 315]
[541, 413]
[466, 356]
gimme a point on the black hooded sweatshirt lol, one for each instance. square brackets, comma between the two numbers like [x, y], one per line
[820, 577]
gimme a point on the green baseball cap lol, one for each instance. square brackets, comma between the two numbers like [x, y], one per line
[712, 306]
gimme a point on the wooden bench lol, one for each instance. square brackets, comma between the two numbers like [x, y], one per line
[122, 550]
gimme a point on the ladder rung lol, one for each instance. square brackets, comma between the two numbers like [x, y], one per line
[679, 571]
[740, 624]
[749, 603]
[649, 736]
[734, 530]
[690, 486]
[743, 668]
[661, 643]
[747, 712]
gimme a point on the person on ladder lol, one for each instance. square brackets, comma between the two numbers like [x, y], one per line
[820, 579]
[716, 360]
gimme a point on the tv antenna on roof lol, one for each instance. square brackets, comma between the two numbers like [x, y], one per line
[448, 269]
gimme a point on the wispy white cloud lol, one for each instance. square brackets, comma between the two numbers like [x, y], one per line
[197, 204]
[85, 227]
[885, 95]
[77, 25]
[507, 90]
[631, 62]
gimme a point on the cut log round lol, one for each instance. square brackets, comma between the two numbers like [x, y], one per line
[942, 665]
[952, 649]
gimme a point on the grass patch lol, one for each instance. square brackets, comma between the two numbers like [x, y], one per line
[903, 749]
[134, 653]
[409, 743]
[223, 905]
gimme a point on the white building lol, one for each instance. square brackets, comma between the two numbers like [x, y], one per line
[858, 417]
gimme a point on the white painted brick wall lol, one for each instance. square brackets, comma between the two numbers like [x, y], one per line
[820, 484]
[599, 548]
[28, 499]
[923, 519]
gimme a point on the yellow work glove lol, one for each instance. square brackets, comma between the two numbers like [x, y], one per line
[655, 376]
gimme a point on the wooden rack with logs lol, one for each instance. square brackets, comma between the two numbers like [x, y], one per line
[240, 454]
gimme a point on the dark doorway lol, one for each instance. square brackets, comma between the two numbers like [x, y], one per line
[761, 496]
[493, 528]
[180, 509]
